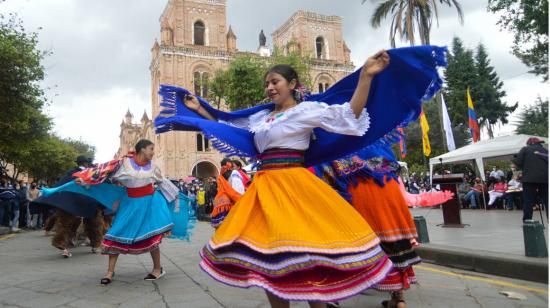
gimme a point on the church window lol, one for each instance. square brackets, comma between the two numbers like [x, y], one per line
[203, 143]
[320, 47]
[200, 143]
[200, 83]
[198, 32]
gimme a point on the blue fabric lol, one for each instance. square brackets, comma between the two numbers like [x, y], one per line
[395, 99]
[136, 219]
[184, 218]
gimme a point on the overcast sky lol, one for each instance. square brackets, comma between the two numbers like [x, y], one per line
[101, 52]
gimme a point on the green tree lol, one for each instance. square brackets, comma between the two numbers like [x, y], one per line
[533, 120]
[218, 87]
[488, 93]
[245, 82]
[299, 62]
[242, 84]
[528, 20]
[408, 16]
[459, 75]
[413, 135]
[21, 97]
[81, 147]
[50, 158]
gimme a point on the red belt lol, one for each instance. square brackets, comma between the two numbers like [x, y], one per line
[138, 192]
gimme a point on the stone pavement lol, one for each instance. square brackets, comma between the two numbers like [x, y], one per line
[35, 275]
[495, 230]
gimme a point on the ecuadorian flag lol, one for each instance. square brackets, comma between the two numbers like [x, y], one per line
[472, 118]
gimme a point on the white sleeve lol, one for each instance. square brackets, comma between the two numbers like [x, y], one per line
[236, 181]
[247, 122]
[168, 190]
[337, 118]
[243, 123]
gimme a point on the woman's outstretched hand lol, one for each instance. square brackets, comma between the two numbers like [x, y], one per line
[375, 64]
[191, 102]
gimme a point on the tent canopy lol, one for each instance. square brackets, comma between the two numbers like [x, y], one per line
[499, 148]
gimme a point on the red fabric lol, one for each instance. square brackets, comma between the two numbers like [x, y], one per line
[500, 187]
[99, 173]
[140, 163]
[246, 178]
[397, 280]
[138, 192]
[111, 247]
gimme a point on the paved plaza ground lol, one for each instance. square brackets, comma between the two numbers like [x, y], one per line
[494, 230]
[35, 275]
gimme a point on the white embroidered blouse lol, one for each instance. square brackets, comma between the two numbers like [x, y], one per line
[132, 175]
[292, 129]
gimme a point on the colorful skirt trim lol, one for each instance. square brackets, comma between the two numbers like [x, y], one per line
[401, 253]
[294, 236]
[397, 280]
[220, 211]
[110, 247]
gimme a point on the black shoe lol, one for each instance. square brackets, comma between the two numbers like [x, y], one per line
[151, 277]
[107, 280]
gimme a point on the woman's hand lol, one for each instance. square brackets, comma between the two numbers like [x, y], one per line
[191, 102]
[372, 66]
[375, 64]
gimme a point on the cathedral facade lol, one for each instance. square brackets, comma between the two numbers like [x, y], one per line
[195, 42]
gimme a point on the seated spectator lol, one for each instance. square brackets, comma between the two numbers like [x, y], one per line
[499, 188]
[514, 190]
[474, 193]
[463, 189]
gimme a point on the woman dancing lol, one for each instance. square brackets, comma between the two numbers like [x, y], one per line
[370, 181]
[142, 217]
[290, 233]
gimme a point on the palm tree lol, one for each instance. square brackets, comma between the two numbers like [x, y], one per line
[409, 15]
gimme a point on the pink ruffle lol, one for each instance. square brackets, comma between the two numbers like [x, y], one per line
[426, 198]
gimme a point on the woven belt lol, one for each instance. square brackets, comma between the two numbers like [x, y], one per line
[280, 159]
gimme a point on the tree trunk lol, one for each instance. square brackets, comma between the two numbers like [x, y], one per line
[490, 130]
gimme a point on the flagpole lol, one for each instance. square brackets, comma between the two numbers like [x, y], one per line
[441, 128]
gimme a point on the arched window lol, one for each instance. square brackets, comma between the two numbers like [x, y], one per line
[204, 90]
[203, 144]
[198, 31]
[200, 143]
[320, 47]
[197, 83]
[200, 83]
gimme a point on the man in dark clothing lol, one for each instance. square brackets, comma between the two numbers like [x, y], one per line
[66, 224]
[533, 160]
[23, 205]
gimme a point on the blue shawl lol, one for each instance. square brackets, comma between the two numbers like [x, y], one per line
[395, 99]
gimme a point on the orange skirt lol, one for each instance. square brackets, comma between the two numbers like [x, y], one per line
[384, 209]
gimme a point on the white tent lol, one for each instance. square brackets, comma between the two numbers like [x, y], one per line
[499, 148]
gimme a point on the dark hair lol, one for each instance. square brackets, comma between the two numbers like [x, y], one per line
[142, 144]
[225, 161]
[289, 73]
[227, 173]
[238, 163]
[284, 70]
